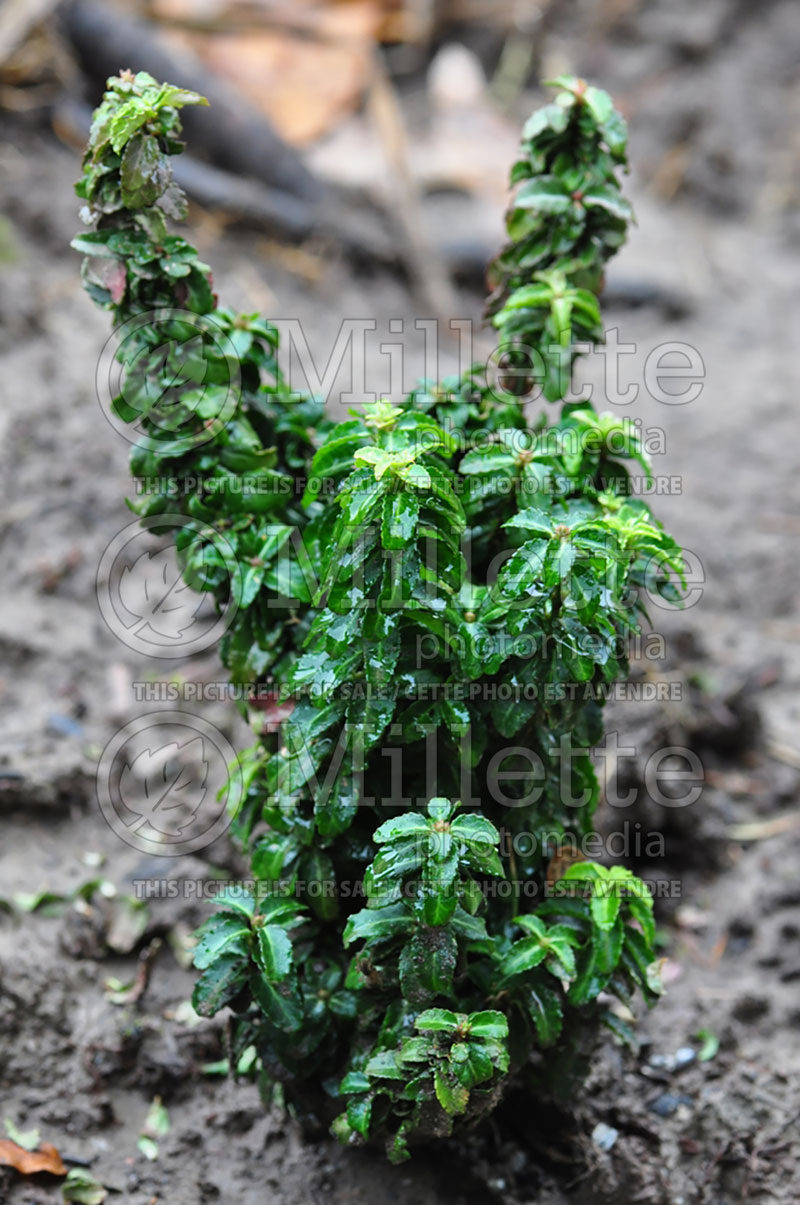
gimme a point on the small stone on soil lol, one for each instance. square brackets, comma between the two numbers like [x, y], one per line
[667, 1104]
[604, 1136]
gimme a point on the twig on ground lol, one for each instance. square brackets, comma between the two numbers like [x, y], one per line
[17, 19]
[231, 131]
[427, 267]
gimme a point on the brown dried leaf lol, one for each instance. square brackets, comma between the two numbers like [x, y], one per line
[29, 1163]
[275, 711]
[305, 82]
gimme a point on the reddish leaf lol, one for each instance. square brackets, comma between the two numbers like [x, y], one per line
[275, 710]
[112, 275]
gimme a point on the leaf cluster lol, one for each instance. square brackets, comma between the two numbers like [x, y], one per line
[432, 595]
[566, 219]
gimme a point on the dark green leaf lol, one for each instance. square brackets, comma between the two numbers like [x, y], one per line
[144, 173]
[378, 923]
[227, 929]
[279, 1002]
[427, 964]
[274, 952]
[400, 517]
[217, 986]
[544, 1006]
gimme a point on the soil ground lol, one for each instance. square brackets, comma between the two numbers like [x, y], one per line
[718, 84]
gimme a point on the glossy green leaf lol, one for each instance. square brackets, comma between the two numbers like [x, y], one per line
[218, 985]
[385, 1065]
[278, 1001]
[378, 923]
[427, 964]
[359, 1112]
[439, 1020]
[451, 1095]
[400, 518]
[544, 1007]
[144, 172]
[274, 952]
[488, 1024]
[224, 931]
[410, 824]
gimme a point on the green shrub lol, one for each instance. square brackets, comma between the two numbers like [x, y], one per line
[435, 594]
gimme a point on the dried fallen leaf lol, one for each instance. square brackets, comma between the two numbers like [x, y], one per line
[761, 830]
[671, 970]
[305, 80]
[127, 923]
[29, 1163]
[275, 711]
